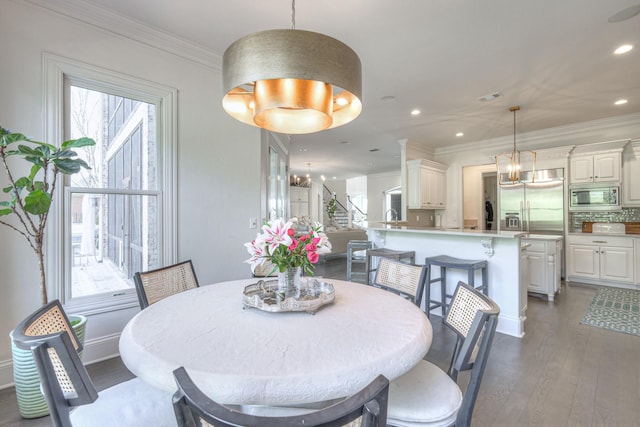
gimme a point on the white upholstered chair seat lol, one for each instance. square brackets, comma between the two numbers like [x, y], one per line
[133, 403]
[424, 396]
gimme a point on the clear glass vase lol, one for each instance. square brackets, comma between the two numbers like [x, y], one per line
[289, 282]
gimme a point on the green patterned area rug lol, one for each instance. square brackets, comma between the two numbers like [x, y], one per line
[616, 310]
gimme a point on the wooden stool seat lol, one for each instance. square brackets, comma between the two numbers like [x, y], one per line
[444, 262]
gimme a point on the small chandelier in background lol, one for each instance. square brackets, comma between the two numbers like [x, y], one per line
[306, 181]
[510, 165]
[291, 81]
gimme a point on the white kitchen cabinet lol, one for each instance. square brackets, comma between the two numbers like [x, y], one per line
[544, 264]
[636, 251]
[299, 201]
[600, 259]
[426, 185]
[598, 167]
[631, 176]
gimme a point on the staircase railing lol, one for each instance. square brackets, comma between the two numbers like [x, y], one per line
[345, 215]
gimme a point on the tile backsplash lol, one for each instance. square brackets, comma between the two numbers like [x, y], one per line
[625, 215]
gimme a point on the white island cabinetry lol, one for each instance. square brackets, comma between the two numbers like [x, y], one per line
[544, 264]
[501, 251]
[426, 185]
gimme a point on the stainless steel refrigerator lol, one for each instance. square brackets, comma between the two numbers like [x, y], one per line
[533, 205]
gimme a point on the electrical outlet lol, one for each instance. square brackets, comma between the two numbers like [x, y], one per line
[253, 223]
[417, 218]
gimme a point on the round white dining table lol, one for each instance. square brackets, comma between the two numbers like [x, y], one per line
[246, 356]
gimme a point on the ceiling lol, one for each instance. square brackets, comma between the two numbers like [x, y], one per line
[553, 58]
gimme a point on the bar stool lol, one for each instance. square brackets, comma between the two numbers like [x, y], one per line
[356, 254]
[410, 256]
[444, 262]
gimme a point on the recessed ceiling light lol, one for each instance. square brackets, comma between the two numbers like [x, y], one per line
[415, 112]
[459, 134]
[623, 49]
[621, 102]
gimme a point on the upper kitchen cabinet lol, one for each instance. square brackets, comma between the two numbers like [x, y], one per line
[600, 167]
[426, 184]
[631, 174]
[299, 201]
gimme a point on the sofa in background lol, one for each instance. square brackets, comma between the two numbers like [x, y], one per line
[340, 237]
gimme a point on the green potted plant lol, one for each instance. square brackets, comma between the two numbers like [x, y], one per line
[331, 207]
[28, 200]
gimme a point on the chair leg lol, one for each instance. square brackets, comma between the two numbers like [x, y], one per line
[443, 289]
[485, 281]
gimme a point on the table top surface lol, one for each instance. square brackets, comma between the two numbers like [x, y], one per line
[247, 356]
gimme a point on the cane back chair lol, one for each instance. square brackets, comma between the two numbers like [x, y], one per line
[406, 280]
[70, 394]
[154, 285]
[367, 408]
[427, 396]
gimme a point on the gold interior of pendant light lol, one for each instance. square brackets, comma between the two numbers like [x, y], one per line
[291, 81]
[510, 165]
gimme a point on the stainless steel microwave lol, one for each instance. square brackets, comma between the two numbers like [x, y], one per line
[601, 198]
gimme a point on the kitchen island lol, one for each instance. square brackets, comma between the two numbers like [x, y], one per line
[503, 252]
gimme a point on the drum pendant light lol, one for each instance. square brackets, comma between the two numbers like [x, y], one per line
[291, 81]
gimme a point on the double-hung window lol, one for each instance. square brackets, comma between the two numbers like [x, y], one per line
[117, 217]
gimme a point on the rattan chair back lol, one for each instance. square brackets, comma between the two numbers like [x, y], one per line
[473, 316]
[155, 285]
[64, 380]
[367, 408]
[47, 320]
[407, 280]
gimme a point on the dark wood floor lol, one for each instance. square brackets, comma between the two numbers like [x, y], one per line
[561, 373]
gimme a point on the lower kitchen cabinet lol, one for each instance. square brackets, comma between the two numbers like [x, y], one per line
[544, 265]
[601, 259]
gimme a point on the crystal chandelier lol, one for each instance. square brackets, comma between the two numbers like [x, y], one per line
[291, 81]
[511, 164]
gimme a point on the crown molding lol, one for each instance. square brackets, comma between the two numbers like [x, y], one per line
[575, 134]
[125, 27]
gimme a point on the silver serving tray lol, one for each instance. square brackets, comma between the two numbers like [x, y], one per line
[264, 295]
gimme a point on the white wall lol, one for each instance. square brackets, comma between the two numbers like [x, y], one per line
[377, 184]
[218, 159]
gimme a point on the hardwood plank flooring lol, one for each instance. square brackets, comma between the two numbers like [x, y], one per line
[561, 373]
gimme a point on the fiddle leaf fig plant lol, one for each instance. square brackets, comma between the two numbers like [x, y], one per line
[29, 197]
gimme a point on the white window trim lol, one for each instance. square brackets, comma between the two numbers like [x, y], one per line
[55, 68]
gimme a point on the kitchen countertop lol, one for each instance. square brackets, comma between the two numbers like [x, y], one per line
[460, 232]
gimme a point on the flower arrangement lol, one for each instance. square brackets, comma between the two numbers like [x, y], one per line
[278, 243]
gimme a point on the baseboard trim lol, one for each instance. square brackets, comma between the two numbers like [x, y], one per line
[506, 325]
[95, 350]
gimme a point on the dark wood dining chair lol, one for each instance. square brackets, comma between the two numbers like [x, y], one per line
[366, 408]
[406, 280]
[154, 285]
[426, 395]
[70, 394]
